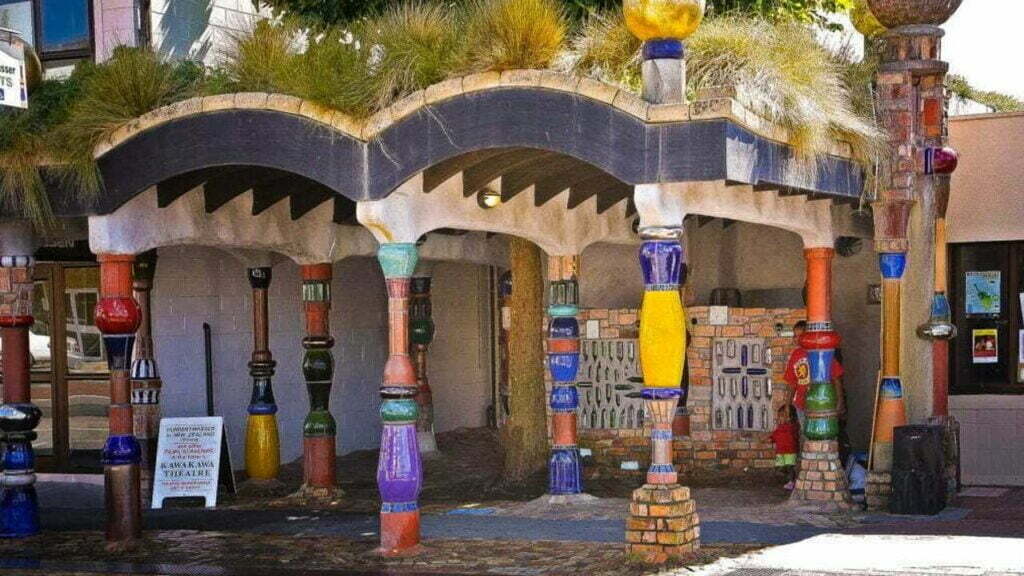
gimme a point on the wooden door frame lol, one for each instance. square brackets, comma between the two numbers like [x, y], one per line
[59, 377]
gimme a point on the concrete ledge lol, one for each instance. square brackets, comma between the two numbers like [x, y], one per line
[714, 103]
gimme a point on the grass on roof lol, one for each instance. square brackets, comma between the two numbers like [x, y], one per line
[818, 95]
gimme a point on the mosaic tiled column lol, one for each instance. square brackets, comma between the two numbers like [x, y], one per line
[820, 477]
[319, 429]
[19, 509]
[262, 445]
[564, 469]
[911, 97]
[663, 521]
[146, 383]
[399, 469]
[118, 317]
[421, 331]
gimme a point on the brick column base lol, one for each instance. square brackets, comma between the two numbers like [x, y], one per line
[663, 523]
[878, 490]
[820, 477]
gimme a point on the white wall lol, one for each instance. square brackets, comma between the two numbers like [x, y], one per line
[195, 285]
[459, 359]
[199, 28]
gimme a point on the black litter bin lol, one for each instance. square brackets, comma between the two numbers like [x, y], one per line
[918, 471]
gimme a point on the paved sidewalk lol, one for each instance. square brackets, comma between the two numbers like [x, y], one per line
[877, 555]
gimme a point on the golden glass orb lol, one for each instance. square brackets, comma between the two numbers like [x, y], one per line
[864, 19]
[663, 19]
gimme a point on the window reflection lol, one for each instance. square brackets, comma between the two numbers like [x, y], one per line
[85, 354]
[64, 26]
[87, 413]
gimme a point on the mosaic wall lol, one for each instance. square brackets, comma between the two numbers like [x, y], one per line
[741, 398]
[609, 385]
[706, 451]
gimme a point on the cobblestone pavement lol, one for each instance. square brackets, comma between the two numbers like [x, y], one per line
[201, 552]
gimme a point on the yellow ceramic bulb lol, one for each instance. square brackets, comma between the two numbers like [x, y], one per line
[864, 19]
[663, 19]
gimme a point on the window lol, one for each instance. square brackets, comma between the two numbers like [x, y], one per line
[63, 29]
[987, 292]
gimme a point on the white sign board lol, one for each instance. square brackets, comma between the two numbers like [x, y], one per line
[13, 86]
[188, 459]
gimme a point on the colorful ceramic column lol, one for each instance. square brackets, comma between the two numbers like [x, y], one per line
[421, 330]
[911, 97]
[663, 522]
[19, 509]
[118, 317]
[564, 469]
[262, 446]
[319, 429]
[820, 476]
[820, 341]
[399, 470]
[662, 341]
[940, 163]
[146, 383]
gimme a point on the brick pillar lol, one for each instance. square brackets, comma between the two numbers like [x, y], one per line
[118, 317]
[146, 382]
[399, 469]
[19, 509]
[565, 476]
[911, 97]
[421, 333]
[262, 444]
[319, 429]
[820, 476]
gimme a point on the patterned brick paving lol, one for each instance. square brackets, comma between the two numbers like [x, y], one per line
[202, 551]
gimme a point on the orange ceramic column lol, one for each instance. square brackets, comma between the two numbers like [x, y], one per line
[118, 317]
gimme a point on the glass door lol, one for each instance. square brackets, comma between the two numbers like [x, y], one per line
[85, 383]
[986, 300]
[69, 370]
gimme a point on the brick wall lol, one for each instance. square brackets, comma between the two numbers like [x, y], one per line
[705, 453]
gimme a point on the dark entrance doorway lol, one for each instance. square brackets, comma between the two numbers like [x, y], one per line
[986, 287]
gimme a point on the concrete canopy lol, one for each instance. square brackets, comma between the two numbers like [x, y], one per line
[565, 154]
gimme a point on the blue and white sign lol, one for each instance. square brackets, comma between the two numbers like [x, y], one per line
[13, 84]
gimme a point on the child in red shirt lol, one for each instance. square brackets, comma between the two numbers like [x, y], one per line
[787, 440]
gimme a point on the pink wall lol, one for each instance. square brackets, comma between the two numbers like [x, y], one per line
[988, 187]
[115, 25]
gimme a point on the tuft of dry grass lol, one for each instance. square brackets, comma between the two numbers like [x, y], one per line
[513, 34]
[260, 58]
[795, 81]
[412, 45]
[605, 49]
